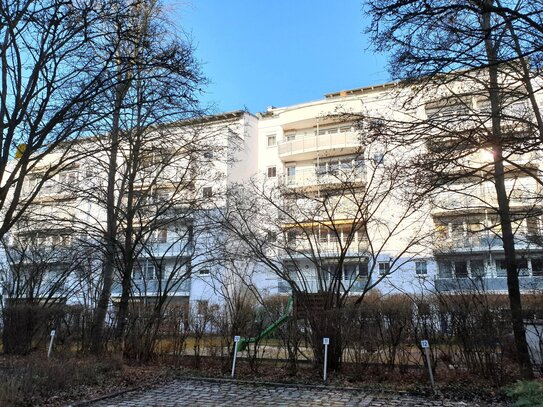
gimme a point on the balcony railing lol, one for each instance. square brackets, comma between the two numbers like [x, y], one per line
[480, 243]
[180, 248]
[153, 287]
[451, 201]
[312, 285]
[330, 248]
[312, 144]
[486, 284]
[310, 177]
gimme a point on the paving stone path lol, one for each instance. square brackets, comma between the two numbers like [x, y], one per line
[210, 393]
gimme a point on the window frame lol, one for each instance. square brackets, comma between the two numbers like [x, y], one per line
[270, 137]
[273, 169]
[207, 192]
[384, 267]
[421, 267]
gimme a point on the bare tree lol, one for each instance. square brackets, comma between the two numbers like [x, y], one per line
[475, 66]
[332, 235]
[50, 81]
[155, 82]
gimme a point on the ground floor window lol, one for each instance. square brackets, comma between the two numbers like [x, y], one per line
[421, 267]
[384, 267]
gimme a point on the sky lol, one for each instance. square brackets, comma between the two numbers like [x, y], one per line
[259, 53]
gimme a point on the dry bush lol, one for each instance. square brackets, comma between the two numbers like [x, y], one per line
[31, 380]
[27, 326]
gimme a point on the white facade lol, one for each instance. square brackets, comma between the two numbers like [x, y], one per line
[314, 150]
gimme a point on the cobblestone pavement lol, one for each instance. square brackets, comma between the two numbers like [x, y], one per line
[209, 393]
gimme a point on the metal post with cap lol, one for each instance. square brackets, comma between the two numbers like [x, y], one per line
[325, 342]
[424, 344]
[237, 338]
[53, 334]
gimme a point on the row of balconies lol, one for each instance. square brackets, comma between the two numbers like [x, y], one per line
[481, 284]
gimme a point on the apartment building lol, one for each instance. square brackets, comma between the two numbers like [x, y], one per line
[162, 193]
[356, 233]
[339, 214]
[450, 244]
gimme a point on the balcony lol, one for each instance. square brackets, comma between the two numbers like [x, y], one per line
[151, 288]
[485, 243]
[312, 285]
[180, 248]
[302, 248]
[309, 177]
[451, 202]
[485, 284]
[305, 148]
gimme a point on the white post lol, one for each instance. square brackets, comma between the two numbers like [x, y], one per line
[325, 342]
[236, 340]
[53, 333]
[426, 346]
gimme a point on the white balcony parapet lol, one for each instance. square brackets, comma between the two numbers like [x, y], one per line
[302, 247]
[309, 177]
[451, 201]
[312, 285]
[314, 143]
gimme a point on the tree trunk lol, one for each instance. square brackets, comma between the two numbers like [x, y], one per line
[108, 268]
[523, 355]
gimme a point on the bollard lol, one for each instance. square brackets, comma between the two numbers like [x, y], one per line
[426, 346]
[325, 342]
[53, 333]
[236, 340]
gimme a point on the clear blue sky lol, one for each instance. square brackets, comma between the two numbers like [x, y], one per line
[259, 53]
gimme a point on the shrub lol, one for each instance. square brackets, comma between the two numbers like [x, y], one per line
[26, 324]
[527, 394]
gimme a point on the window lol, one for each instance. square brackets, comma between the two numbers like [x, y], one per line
[421, 267]
[461, 269]
[444, 267]
[522, 267]
[378, 158]
[363, 269]
[201, 307]
[291, 173]
[207, 192]
[537, 267]
[291, 137]
[271, 236]
[272, 172]
[144, 270]
[501, 268]
[344, 164]
[291, 236]
[271, 140]
[350, 271]
[160, 236]
[384, 267]
[477, 268]
[204, 272]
